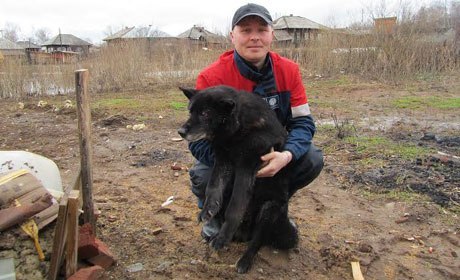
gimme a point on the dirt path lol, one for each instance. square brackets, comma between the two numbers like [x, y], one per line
[340, 218]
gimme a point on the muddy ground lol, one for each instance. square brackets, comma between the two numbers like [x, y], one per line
[396, 215]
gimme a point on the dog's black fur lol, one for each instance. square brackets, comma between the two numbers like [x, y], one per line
[241, 128]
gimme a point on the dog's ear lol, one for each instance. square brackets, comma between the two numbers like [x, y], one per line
[189, 92]
[227, 104]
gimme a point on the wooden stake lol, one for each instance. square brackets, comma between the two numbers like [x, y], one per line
[60, 233]
[72, 233]
[84, 131]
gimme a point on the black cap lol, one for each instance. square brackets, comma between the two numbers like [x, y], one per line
[251, 10]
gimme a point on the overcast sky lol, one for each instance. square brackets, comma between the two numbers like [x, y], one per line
[92, 19]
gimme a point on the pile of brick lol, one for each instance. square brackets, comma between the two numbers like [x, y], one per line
[93, 255]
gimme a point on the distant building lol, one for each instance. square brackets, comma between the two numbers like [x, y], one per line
[31, 50]
[200, 36]
[131, 34]
[298, 29]
[385, 25]
[67, 43]
[29, 46]
[10, 49]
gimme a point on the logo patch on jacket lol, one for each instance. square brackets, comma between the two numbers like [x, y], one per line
[273, 101]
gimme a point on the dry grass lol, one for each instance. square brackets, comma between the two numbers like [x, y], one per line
[146, 64]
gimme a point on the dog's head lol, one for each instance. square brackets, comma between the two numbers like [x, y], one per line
[210, 112]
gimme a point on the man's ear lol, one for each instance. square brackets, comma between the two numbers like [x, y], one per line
[189, 92]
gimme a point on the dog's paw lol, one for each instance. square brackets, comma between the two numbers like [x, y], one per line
[209, 211]
[244, 264]
[218, 243]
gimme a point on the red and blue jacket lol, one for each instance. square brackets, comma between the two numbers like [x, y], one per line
[286, 97]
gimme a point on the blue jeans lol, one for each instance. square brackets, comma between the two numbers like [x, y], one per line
[305, 170]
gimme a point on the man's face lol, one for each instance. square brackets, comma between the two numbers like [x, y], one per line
[252, 38]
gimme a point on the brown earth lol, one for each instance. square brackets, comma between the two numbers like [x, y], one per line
[399, 219]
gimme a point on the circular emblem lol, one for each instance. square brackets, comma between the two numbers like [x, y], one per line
[272, 101]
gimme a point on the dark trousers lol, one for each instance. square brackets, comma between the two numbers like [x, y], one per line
[305, 170]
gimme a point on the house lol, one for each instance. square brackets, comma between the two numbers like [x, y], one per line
[29, 46]
[299, 28]
[31, 50]
[198, 35]
[67, 43]
[282, 38]
[385, 25]
[130, 34]
[10, 49]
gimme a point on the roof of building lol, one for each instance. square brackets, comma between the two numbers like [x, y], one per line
[137, 32]
[6, 44]
[198, 32]
[291, 22]
[28, 45]
[66, 40]
[282, 35]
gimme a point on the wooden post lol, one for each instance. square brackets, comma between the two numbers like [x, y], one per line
[60, 236]
[72, 233]
[84, 132]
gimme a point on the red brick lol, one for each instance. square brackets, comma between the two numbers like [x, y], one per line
[87, 247]
[105, 258]
[89, 273]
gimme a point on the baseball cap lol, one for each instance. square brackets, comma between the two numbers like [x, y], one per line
[251, 10]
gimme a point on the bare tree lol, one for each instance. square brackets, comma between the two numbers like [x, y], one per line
[11, 31]
[41, 35]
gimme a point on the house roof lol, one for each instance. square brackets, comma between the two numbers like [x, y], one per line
[296, 22]
[28, 44]
[6, 44]
[282, 35]
[137, 32]
[197, 32]
[67, 40]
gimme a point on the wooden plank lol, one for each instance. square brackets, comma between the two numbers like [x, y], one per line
[72, 233]
[59, 239]
[356, 270]
[84, 132]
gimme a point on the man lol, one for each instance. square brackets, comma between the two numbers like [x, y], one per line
[252, 67]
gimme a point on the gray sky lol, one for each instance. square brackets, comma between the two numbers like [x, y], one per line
[91, 19]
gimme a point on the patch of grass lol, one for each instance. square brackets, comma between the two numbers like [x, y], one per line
[176, 105]
[416, 102]
[118, 103]
[395, 195]
[383, 146]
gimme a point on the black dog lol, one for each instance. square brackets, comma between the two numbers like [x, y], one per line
[241, 128]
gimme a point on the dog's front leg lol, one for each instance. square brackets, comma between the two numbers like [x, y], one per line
[220, 178]
[241, 196]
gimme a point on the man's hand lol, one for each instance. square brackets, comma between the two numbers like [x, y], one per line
[273, 162]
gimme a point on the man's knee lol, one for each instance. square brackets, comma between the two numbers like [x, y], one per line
[199, 177]
[306, 169]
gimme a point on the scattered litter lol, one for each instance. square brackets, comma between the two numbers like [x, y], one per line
[168, 201]
[356, 269]
[160, 116]
[430, 250]
[42, 103]
[68, 104]
[176, 167]
[140, 126]
[135, 267]
[7, 269]
[21, 105]
[177, 139]
[157, 230]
